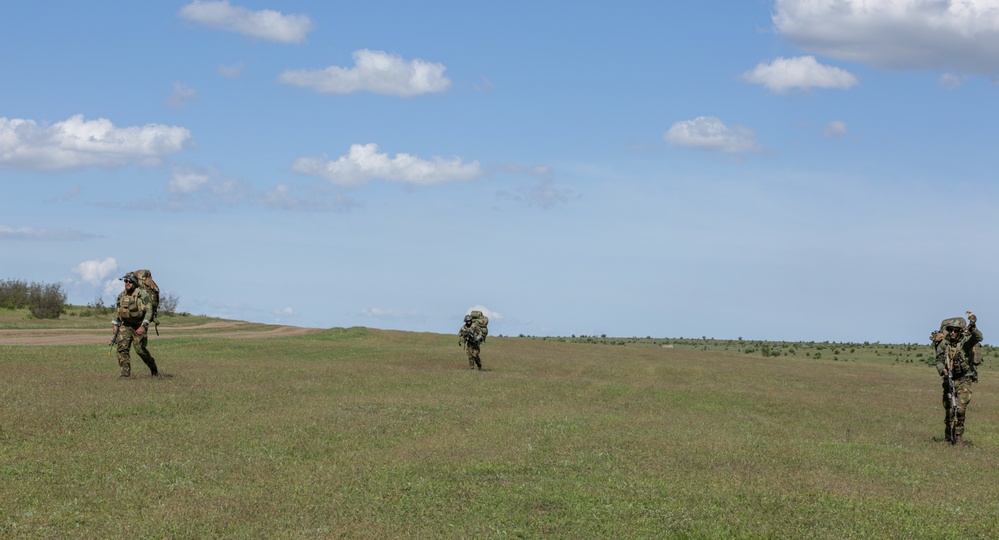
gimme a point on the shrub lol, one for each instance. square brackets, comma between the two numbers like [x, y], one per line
[47, 301]
[168, 304]
[14, 294]
[43, 301]
[96, 309]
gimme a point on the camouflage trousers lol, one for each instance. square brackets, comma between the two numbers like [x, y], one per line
[962, 387]
[127, 338]
[472, 350]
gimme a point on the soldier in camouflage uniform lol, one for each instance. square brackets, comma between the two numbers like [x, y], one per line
[958, 352]
[133, 313]
[470, 335]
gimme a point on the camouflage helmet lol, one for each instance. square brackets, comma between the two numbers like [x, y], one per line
[468, 318]
[955, 322]
[130, 278]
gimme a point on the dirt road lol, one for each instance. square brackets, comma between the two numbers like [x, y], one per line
[221, 329]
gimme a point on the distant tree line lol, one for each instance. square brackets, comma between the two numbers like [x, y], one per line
[44, 301]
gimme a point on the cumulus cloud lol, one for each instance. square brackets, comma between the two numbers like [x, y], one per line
[94, 271]
[363, 163]
[187, 181]
[264, 24]
[802, 72]
[374, 71]
[33, 234]
[77, 143]
[710, 133]
[113, 286]
[181, 96]
[960, 35]
[493, 315]
[836, 128]
[192, 187]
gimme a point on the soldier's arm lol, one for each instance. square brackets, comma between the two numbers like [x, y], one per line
[148, 302]
[941, 359]
[975, 336]
[114, 319]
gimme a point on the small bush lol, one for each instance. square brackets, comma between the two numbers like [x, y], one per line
[14, 294]
[47, 301]
[168, 304]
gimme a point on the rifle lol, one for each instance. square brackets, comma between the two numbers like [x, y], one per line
[114, 340]
[467, 335]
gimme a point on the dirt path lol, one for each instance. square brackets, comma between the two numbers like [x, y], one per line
[221, 329]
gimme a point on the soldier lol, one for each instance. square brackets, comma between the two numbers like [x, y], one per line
[957, 359]
[131, 324]
[470, 335]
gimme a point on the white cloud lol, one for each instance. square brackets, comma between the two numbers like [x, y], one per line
[113, 286]
[33, 234]
[201, 188]
[957, 35]
[836, 128]
[76, 143]
[710, 133]
[363, 163]
[374, 71]
[285, 312]
[802, 72]
[264, 24]
[181, 96]
[493, 315]
[93, 272]
[187, 181]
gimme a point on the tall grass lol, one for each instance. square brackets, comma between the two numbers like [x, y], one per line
[357, 433]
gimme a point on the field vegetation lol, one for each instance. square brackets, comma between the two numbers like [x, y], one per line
[364, 433]
[43, 300]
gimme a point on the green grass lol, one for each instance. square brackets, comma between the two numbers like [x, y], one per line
[79, 317]
[358, 433]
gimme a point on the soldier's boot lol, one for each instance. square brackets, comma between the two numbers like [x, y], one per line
[959, 435]
[151, 364]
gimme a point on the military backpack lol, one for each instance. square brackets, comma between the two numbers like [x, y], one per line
[147, 284]
[481, 323]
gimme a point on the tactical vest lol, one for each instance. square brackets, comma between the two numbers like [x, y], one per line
[131, 307]
[961, 365]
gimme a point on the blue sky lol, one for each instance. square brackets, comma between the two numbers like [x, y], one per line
[794, 170]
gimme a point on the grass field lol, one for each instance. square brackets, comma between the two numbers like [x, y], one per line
[362, 433]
